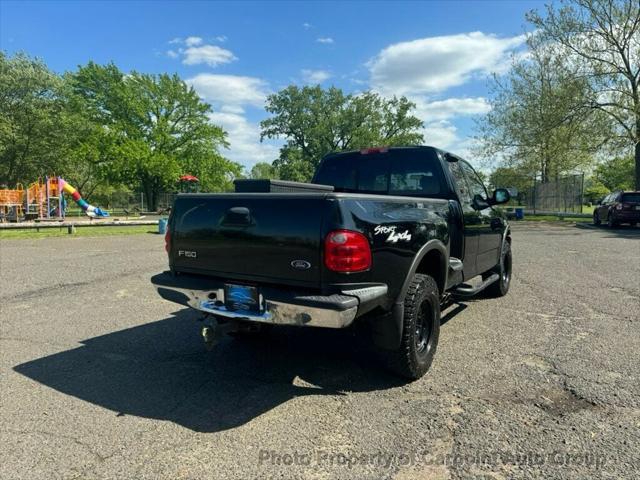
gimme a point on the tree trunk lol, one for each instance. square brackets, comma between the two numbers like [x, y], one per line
[637, 155]
[148, 196]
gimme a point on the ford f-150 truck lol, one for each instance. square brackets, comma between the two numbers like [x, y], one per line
[382, 237]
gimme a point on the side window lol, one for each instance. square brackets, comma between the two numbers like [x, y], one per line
[459, 180]
[476, 187]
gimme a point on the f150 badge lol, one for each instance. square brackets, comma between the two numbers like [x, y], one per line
[187, 253]
[393, 235]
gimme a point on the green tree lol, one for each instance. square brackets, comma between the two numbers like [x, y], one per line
[602, 38]
[157, 128]
[538, 124]
[263, 170]
[88, 144]
[507, 177]
[615, 174]
[32, 140]
[594, 190]
[316, 121]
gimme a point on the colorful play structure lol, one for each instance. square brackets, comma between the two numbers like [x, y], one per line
[42, 200]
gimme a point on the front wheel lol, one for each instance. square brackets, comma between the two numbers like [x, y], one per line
[596, 218]
[420, 330]
[611, 223]
[500, 287]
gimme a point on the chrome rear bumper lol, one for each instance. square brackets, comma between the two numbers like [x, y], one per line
[281, 307]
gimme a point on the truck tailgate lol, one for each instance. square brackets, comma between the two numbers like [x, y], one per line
[253, 237]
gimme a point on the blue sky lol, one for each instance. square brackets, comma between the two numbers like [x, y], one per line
[437, 53]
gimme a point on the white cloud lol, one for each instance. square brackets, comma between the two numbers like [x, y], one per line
[212, 55]
[221, 38]
[435, 64]
[193, 41]
[237, 109]
[430, 111]
[444, 134]
[306, 25]
[229, 95]
[441, 134]
[244, 140]
[197, 52]
[230, 89]
[324, 40]
[315, 76]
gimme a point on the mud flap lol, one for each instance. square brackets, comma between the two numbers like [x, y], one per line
[386, 329]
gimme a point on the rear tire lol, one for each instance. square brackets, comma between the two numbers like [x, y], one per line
[420, 329]
[596, 219]
[500, 287]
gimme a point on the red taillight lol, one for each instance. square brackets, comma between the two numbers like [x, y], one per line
[167, 240]
[347, 251]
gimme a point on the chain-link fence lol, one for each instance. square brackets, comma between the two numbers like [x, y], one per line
[126, 203]
[561, 194]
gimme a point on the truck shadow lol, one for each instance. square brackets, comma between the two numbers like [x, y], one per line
[161, 370]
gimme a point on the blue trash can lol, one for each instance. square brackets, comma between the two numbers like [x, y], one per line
[519, 213]
[162, 226]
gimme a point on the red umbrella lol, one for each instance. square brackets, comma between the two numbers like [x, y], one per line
[189, 178]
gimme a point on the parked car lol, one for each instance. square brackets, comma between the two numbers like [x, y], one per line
[383, 237]
[617, 208]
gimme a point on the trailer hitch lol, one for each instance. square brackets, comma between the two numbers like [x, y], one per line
[213, 331]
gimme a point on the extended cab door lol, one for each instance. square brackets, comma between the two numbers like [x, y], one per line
[487, 225]
[470, 230]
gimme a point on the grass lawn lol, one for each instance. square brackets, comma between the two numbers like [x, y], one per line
[80, 232]
[588, 209]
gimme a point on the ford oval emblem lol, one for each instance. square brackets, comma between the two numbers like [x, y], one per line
[301, 264]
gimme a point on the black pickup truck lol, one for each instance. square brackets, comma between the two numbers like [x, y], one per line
[381, 238]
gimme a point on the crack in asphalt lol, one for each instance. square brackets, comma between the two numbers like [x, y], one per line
[45, 291]
[77, 441]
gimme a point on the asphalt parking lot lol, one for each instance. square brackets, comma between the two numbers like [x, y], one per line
[102, 379]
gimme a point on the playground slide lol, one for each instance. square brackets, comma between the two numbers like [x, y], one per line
[89, 210]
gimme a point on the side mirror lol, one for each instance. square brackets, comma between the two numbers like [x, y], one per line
[500, 195]
[479, 202]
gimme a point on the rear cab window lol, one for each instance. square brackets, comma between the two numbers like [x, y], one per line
[403, 172]
[633, 197]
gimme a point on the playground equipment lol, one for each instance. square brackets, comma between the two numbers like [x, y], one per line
[11, 203]
[89, 210]
[44, 200]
